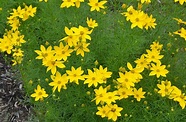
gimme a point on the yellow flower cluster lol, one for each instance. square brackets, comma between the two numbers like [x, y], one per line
[139, 19]
[20, 13]
[76, 40]
[181, 32]
[180, 1]
[12, 40]
[127, 80]
[69, 3]
[172, 92]
[94, 4]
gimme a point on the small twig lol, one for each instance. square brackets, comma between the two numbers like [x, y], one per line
[159, 1]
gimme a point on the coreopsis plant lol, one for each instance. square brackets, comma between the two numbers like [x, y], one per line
[39, 94]
[153, 56]
[112, 111]
[181, 33]
[100, 95]
[165, 88]
[53, 63]
[82, 32]
[6, 45]
[58, 81]
[91, 23]
[56, 59]
[62, 52]
[126, 80]
[142, 62]
[44, 53]
[96, 5]
[92, 78]
[180, 21]
[158, 70]
[124, 92]
[178, 96]
[103, 73]
[81, 48]
[74, 75]
[172, 92]
[78, 2]
[138, 94]
[139, 19]
[72, 38]
[67, 3]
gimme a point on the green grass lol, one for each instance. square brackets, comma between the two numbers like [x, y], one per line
[113, 44]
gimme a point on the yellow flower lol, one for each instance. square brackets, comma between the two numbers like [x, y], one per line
[6, 45]
[126, 80]
[114, 112]
[59, 81]
[100, 95]
[62, 52]
[14, 23]
[138, 94]
[165, 88]
[149, 22]
[75, 74]
[130, 13]
[180, 21]
[103, 73]
[92, 79]
[68, 3]
[18, 12]
[156, 46]
[180, 1]
[153, 56]
[81, 48]
[91, 23]
[17, 39]
[122, 69]
[138, 20]
[142, 62]
[77, 3]
[181, 33]
[44, 53]
[111, 97]
[17, 60]
[17, 52]
[140, 6]
[71, 39]
[39, 94]
[124, 93]
[29, 11]
[103, 111]
[82, 33]
[53, 63]
[135, 72]
[158, 70]
[123, 6]
[95, 5]
[178, 96]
